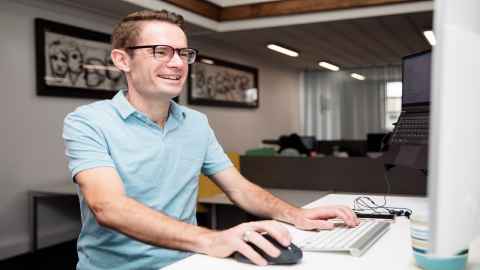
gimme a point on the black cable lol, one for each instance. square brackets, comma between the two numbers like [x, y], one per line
[360, 205]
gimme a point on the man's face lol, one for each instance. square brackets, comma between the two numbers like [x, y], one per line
[154, 78]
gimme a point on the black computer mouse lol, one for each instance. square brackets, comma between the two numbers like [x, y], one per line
[288, 255]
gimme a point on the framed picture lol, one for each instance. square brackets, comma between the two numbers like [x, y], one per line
[216, 82]
[74, 62]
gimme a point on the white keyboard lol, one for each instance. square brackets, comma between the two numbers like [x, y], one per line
[353, 240]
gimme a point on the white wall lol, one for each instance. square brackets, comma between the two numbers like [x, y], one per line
[278, 113]
[31, 146]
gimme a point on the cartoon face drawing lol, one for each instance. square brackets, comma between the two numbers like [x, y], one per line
[75, 60]
[58, 59]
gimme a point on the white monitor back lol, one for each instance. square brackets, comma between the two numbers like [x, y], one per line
[454, 164]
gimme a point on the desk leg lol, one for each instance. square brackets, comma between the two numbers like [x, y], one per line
[34, 223]
[213, 216]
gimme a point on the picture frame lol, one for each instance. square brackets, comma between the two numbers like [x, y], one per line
[215, 82]
[74, 62]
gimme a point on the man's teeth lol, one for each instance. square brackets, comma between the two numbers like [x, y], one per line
[171, 77]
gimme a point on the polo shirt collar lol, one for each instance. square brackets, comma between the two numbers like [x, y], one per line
[122, 105]
[177, 111]
[126, 109]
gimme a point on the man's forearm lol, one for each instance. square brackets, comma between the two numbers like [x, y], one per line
[253, 198]
[262, 203]
[147, 225]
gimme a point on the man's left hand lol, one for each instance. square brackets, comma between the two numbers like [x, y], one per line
[317, 218]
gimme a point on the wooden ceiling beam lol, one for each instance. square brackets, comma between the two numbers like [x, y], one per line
[289, 7]
[199, 7]
[276, 8]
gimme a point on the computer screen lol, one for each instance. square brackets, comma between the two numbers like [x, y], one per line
[454, 176]
[416, 71]
[374, 141]
[310, 142]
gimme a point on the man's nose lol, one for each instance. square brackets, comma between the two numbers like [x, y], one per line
[176, 60]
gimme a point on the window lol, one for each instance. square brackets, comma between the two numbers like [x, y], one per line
[393, 104]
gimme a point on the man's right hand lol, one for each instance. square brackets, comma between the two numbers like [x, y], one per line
[225, 243]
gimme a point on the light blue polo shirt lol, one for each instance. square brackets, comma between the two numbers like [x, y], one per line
[159, 167]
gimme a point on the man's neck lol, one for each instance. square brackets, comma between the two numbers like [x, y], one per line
[157, 110]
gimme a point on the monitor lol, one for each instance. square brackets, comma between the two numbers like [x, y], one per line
[454, 158]
[408, 145]
[310, 142]
[416, 71]
[375, 142]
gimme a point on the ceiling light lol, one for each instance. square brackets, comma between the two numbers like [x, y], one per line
[283, 50]
[430, 37]
[357, 76]
[328, 66]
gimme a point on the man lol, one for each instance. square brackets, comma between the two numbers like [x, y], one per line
[136, 160]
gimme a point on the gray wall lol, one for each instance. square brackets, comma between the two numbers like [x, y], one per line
[31, 144]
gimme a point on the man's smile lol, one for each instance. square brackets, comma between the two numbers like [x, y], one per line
[174, 77]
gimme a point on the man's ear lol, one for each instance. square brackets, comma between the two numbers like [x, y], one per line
[120, 59]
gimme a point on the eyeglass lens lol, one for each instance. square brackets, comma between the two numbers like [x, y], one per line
[165, 53]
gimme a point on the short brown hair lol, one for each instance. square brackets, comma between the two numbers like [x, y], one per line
[127, 31]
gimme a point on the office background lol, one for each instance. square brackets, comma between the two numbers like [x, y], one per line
[31, 145]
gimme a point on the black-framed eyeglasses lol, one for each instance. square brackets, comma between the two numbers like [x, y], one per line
[165, 52]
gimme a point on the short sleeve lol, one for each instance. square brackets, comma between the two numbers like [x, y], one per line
[85, 145]
[215, 158]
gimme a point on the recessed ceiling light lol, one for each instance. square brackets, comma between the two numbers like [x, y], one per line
[430, 37]
[283, 50]
[328, 66]
[357, 76]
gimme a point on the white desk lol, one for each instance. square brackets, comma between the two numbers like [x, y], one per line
[392, 251]
[295, 197]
